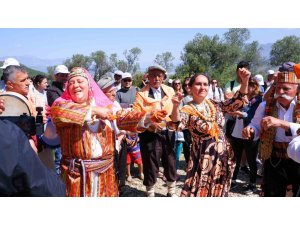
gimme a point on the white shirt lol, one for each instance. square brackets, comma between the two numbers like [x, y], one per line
[293, 149]
[238, 128]
[283, 114]
[219, 96]
[156, 93]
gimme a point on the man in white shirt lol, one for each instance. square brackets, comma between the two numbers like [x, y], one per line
[274, 124]
[157, 143]
[215, 92]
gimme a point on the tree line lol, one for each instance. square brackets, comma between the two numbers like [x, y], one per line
[215, 55]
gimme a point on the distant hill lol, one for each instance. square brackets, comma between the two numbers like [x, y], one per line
[31, 72]
[36, 63]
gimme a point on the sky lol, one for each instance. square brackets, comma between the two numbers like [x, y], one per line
[57, 43]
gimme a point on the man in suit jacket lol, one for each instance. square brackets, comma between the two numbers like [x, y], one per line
[156, 142]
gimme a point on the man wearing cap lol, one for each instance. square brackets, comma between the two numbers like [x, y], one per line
[7, 62]
[56, 89]
[260, 80]
[118, 74]
[276, 122]
[270, 77]
[155, 142]
[126, 95]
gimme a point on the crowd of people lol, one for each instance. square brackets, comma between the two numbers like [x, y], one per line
[95, 131]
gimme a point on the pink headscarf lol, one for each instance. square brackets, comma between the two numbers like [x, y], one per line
[94, 91]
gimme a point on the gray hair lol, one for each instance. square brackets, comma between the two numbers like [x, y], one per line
[9, 73]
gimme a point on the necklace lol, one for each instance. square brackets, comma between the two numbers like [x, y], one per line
[211, 111]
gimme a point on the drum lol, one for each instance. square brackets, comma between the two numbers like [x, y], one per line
[15, 104]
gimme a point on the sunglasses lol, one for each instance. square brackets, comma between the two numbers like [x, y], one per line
[176, 83]
[127, 80]
[214, 82]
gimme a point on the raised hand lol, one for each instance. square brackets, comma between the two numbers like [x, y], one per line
[244, 74]
[177, 98]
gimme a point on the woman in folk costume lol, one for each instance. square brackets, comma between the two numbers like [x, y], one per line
[83, 119]
[211, 162]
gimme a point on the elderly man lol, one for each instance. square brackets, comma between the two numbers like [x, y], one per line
[155, 142]
[276, 123]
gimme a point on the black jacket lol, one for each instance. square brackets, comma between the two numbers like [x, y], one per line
[21, 171]
[54, 92]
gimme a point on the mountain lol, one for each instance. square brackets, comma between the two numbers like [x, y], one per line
[32, 72]
[35, 62]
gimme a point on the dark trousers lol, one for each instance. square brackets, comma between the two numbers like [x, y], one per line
[120, 161]
[156, 147]
[278, 174]
[187, 145]
[251, 148]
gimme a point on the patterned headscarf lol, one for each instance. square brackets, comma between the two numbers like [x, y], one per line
[94, 90]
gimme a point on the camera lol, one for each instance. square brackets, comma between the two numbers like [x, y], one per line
[29, 124]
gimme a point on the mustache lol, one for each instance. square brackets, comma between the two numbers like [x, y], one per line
[289, 98]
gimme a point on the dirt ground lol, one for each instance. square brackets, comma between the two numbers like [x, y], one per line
[135, 188]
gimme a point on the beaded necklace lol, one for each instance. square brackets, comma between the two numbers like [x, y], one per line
[211, 111]
[212, 130]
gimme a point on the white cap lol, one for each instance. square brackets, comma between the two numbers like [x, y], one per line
[119, 72]
[126, 75]
[259, 78]
[10, 62]
[61, 69]
[270, 72]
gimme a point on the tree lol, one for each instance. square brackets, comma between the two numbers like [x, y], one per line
[252, 53]
[132, 56]
[285, 50]
[237, 36]
[218, 57]
[165, 60]
[101, 64]
[78, 60]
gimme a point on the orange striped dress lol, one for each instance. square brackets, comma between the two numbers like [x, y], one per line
[81, 141]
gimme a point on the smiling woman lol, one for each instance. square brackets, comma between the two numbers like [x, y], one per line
[83, 118]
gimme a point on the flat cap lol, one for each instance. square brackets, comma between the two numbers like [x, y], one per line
[157, 67]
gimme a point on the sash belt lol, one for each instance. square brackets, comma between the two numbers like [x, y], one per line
[84, 166]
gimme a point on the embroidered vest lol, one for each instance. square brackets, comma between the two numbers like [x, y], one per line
[267, 137]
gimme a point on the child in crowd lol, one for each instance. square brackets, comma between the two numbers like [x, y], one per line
[133, 154]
